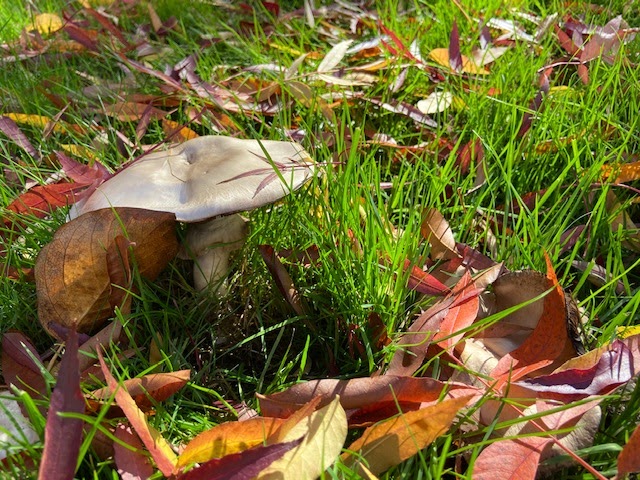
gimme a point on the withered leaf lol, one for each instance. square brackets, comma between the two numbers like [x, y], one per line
[73, 284]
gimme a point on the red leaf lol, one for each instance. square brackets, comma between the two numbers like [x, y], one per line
[629, 457]
[459, 317]
[83, 174]
[455, 57]
[423, 282]
[42, 199]
[131, 465]
[359, 392]
[62, 436]
[241, 466]
[18, 366]
[158, 447]
[546, 343]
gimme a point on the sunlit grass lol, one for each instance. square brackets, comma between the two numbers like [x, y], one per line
[252, 340]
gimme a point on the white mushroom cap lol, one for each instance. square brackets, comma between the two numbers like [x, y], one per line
[206, 177]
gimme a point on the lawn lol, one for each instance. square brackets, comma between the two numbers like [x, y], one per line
[472, 158]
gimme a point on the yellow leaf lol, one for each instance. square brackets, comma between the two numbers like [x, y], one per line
[46, 23]
[387, 444]
[80, 151]
[441, 57]
[324, 434]
[625, 332]
[42, 121]
[181, 134]
[228, 438]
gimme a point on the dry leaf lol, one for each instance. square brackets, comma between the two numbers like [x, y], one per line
[324, 433]
[441, 57]
[159, 448]
[46, 23]
[435, 229]
[228, 438]
[387, 444]
[72, 272]
[155, 387]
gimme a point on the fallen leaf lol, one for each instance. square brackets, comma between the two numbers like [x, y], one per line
[459, 317]
[282, 278]
[629, 457]
[228, 438]
[11, 130]
[517, 459]
[435, 230]
[324, 433]
[614, 368]
[548, 343]
[334, 57]
[145, 391]
[159, 448]
[72, 278]
[131, 465]
[63, 435]
[441, 57]
[46, 23]
[389, 443]
[358, 393]
[242, 465]
[19, 365]
[424, 282]
[437, 101]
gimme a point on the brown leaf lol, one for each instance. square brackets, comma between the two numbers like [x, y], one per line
[72, 272]
[388, 444]
[435, 229]
[282, 278]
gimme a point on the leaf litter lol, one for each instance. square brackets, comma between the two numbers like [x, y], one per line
[499, 335]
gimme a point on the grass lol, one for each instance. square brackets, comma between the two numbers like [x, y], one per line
[250, 340]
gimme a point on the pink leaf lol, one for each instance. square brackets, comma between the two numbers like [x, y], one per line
[132, 465]
[614, 368]
[510, 459]
[11, 130]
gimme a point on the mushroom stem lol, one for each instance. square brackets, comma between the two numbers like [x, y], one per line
[210, 244]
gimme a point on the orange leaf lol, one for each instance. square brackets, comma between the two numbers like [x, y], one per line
[159, 448]
[228, 438]
[177, 132]
[546, 343]
[441, 57]
[387, 444]
[146, 390]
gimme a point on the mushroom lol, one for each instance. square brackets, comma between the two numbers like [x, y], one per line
[203, 181]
